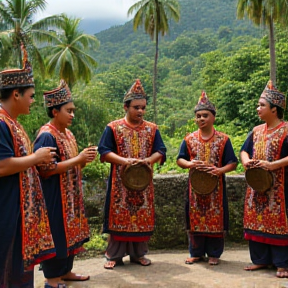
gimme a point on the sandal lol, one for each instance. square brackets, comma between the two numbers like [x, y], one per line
[59, 285]
[192, 260]
[213, 261]
[141, 261]
[282, 273]
[75, 277]
[255, 267]
[110, 264]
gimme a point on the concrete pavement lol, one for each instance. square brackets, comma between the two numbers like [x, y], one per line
[169, 270]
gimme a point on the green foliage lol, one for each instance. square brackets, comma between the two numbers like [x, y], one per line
[98, 242]
[95, 170]
[70, 56]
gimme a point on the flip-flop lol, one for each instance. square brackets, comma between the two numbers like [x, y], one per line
[79, 277]
[255, 267]
[213, 261]
[192, 260]
[282, 273]
[59, 285]
[141, 261]
[110, 264]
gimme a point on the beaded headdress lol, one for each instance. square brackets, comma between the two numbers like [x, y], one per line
[205, 104]
[60, 95]
[272, 95]
[17, 78]
[135, 92]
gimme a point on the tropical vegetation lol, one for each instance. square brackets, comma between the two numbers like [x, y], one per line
[155, 16]
[208, 49]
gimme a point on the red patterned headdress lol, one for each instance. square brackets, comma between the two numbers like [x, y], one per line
[135, 92]
[17, 78]
[205, 104]
[273, 96]
[60, 95]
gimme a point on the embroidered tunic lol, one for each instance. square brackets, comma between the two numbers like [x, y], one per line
[129, 213]
[22, 204]
[265, 215]
[63, 193]
[208, 214]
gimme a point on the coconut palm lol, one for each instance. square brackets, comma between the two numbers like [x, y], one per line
[70, 57]
[155, 16]
[265, 12]
[17, 27]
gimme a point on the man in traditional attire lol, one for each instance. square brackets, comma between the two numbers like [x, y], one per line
[62, 187]
[129, 214]
[206, 214]
[25, 237]
[265, 214]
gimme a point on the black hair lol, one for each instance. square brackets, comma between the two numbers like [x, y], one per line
[50, 109]
[280, 111]
[6, 93]
[127, 103]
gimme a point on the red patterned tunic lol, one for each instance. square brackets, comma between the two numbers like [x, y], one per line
[208, 214]
[265, 215]
[129, 213]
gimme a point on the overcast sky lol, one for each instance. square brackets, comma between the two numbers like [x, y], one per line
[90, 9]
[104, 13]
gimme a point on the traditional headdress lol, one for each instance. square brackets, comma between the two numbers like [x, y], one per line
[205, 104]
[272, 95]
[60, 95]
[17, 78]
[135, 92]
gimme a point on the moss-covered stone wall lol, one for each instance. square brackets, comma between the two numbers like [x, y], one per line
[170, 193]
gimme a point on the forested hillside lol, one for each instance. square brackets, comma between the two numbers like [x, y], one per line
[213, 17]
[209, 49]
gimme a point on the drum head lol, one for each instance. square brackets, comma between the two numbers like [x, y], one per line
[136, 176]
[203, 183]
[259, 179]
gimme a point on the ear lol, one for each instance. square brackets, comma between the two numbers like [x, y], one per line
[16, 93]
[54, 112]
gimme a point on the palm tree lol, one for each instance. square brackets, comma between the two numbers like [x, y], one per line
[17, 27]
[69, 57]
[155, 16]
[265, 12]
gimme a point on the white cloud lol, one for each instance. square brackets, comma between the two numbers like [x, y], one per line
[90, 9]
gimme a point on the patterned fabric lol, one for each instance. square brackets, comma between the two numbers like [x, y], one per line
[135, 92]
[17, 78]
[75, 222]
[205, 104]
[272, 95]
[58, 96]
[206, 211]
[37, 243]
[131, 211]
[267, 212]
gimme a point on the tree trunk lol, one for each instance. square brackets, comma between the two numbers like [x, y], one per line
[155, 80]
[272, 52]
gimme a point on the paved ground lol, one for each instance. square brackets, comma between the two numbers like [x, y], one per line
[169, 270]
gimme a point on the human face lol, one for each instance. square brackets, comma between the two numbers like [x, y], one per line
[264, 110]
[136, 111]
[65, 116]
[204, 119]
[25, 100]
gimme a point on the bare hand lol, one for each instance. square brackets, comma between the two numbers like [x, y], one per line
[132, 161]
[264, 164]
[45, 155]
[250, 164]
[88, 154]
[195, 164]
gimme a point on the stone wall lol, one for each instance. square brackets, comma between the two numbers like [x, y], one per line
[169, 208]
